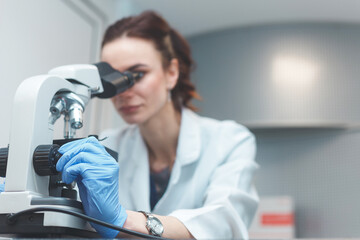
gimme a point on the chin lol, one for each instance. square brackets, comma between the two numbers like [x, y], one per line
[132, 119]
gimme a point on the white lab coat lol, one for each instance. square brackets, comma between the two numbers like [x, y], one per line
[210, 188]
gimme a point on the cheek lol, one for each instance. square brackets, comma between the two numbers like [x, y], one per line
[115, 100]
[154, 89]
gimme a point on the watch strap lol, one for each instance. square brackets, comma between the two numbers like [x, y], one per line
[145, 213]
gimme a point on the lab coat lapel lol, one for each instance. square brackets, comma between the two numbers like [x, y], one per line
[138, 174]
[188, 151]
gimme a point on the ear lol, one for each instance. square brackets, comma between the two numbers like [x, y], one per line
[172, 74]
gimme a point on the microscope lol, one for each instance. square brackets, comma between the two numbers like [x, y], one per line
[29, 161]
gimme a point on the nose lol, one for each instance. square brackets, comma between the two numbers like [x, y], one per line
[125, 95]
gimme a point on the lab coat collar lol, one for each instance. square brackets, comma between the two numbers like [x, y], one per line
[187, 152]
[138, 172]
[188, 149]
[189, 142]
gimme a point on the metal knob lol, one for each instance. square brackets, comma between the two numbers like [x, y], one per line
[45, 158]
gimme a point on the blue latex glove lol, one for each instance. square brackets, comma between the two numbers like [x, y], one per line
[2, 187]
[97, 174]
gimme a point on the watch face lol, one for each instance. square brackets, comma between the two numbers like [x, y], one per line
[155, 226]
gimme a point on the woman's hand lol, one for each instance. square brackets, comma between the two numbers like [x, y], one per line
[97, 174]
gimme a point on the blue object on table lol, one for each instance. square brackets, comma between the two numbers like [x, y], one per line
[2, 187]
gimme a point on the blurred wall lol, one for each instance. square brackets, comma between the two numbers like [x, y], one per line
[286, 74]
[39, 35]
[297, 86]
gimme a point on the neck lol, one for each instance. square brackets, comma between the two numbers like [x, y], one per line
[161, 135]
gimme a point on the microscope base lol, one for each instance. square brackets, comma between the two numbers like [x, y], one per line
[31, 226]
[42, 223]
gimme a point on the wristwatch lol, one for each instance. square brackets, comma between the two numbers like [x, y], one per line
[153, 224]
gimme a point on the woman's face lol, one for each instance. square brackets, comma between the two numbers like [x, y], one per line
[149, 95]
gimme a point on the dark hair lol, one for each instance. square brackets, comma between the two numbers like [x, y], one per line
[149, 25]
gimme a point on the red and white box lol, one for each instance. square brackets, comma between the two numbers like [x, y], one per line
[274, 219]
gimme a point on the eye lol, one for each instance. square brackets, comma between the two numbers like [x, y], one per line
[138, 75]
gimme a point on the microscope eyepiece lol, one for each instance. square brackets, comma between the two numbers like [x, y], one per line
[113, 81]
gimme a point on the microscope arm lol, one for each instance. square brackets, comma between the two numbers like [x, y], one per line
[30, 127]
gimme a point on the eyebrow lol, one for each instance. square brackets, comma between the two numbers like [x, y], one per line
[136, 66]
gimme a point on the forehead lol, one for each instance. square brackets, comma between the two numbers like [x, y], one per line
[125, 52]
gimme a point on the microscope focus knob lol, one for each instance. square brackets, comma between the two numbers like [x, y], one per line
[4, 152]
[45, 158]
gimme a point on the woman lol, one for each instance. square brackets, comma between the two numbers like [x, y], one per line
[193, 173]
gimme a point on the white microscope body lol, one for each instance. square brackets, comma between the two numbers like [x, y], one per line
[32, 125]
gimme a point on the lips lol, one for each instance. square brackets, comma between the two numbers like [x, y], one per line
[129, 109]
